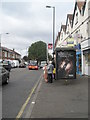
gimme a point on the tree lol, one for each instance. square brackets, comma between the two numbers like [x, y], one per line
[49, 57]
[37, 51]
[25, 58]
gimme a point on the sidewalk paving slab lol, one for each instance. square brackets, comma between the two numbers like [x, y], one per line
[57, 100]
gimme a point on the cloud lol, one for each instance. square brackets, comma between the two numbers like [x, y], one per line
[37, 1]
[28, 22]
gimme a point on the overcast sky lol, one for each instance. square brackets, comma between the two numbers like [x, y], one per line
[28, 21]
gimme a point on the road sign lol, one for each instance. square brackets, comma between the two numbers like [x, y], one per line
[50, 46]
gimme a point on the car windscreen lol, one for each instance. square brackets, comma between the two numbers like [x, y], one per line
[43, 62]
[5, 62]
[33, 63]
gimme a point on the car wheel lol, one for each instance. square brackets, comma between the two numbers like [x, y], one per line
[7, 81]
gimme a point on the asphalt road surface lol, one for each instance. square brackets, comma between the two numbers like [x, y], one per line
[16, 92]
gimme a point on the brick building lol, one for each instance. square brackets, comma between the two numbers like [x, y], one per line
[7, 53]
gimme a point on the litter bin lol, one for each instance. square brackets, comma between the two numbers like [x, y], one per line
[65, 63]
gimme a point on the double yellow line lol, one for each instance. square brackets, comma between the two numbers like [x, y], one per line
[26, 102]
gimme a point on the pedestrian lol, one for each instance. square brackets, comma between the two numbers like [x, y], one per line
[50, 68]
[54, 70]
[54, 74]
[45, 73]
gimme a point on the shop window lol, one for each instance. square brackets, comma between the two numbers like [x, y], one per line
[87, 59]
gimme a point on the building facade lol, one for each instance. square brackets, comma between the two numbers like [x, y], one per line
[76, 33]
[85, 43]
[9, 54]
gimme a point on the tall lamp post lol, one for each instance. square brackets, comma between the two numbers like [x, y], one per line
[0, 45]
[0, 37]
[53, 25]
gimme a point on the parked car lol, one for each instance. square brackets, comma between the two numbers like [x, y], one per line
[42, 64]
[33, 65]
[22, 65]
[16, 62]
[4, 75]
[7, 65]
[1, 60]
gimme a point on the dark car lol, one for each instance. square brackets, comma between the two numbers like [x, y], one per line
[22, 65]
[7, 65]
[4, 75]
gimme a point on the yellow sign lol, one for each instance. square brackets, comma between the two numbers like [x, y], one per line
[70, 42]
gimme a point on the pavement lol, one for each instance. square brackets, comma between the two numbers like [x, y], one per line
[60, 99]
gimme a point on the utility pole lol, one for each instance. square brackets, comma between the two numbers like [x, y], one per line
[53, 25]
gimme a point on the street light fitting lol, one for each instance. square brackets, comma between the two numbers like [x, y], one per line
[7, 33]
[4, 33]
[48, 6]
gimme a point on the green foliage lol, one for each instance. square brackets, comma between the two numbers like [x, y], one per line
[37, 51]
[25, 58]
[49, 57]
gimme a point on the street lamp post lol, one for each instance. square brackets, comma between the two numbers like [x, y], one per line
[53, 25]
[0, 45]
[0, 37]
[47, 51]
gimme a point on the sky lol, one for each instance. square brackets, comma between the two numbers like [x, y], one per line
[29, 21]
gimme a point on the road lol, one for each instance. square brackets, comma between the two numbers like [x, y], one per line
[16, 92]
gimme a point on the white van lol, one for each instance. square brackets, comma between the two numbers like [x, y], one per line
[42, 64]
[12, 63]
[1, 60]
[16, 62]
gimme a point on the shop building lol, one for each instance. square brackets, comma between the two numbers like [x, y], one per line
[76, 33]
[85, 43]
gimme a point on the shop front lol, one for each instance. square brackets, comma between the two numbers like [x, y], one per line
[86, 56]
[78, 59]
[78, 63]
[85, 45]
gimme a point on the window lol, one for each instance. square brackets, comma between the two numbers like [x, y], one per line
[5, 54]
[76, 18]
[82, 11]
[71, 22]
[87, 59]
[67, 29]
[9, 55]
[16, 56]
[13, 56]
[61, 36]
